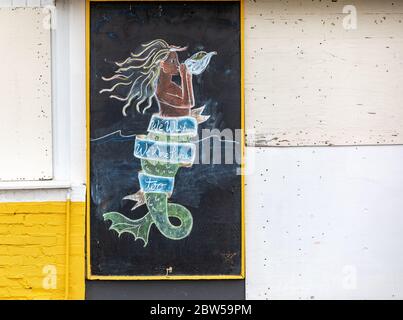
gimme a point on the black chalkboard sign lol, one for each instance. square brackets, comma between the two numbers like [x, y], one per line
[165, 117]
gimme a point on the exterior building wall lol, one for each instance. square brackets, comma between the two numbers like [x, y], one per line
[324, 222]
[35, 253]
[321, 222]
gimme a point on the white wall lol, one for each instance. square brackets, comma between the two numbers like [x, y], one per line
[68, 108]
[324, 223]
[312, 80]
[25, 90]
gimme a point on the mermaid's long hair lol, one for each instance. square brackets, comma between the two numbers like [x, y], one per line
[139, 74]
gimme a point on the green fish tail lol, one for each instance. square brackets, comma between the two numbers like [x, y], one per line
[161, 212]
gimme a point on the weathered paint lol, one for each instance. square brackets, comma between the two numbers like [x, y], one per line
[25, 90]
[310, 81]
[324, 223]
[26, 3]
[33, 214]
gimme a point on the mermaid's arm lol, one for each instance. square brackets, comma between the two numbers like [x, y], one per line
[189, 81]
[174, 100]
[186, 85]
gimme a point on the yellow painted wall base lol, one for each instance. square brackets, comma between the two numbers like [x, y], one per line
[33, 251]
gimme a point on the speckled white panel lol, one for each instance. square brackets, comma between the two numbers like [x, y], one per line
[312, 78]
[25, 90]
[26, 3]
[325, 223]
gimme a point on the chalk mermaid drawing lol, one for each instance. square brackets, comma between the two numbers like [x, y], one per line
[146, 76]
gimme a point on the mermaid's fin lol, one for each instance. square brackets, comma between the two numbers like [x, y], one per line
[140, 228]
[197, 114]
[138, 197]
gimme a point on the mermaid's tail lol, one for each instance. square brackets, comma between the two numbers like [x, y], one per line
[160, 212]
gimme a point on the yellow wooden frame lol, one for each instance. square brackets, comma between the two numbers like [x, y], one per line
[184, 277]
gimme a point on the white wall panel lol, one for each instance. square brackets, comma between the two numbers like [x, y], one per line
[325, 223]
[311, 81]
[68, 104]
[26, 3]
[25, 90]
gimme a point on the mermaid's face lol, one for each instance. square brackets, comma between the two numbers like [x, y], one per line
[171, 64]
